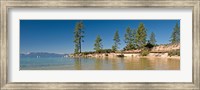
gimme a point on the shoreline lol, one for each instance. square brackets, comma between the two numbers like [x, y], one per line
[117, 55]
[170, 57]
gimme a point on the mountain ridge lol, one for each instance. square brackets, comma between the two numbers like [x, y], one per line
[42, 54]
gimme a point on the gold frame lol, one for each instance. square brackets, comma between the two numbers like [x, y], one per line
[6, 4]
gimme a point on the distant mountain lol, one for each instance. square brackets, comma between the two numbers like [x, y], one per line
[42, 54]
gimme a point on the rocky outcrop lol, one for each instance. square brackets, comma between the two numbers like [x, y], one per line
[166, 48]
[158, 54]
[157, 51]
[160, 48]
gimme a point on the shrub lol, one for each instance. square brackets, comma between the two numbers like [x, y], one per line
[145, 52]
[86, 53]
[174, 52]
[149, 45]
[99, 51]
[106, 51]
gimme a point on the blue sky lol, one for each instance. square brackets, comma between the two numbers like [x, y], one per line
[56, 36]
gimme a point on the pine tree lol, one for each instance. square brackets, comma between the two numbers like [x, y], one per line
[116, 41]
[98, 45]
[134, 38]
[152, 39]
[175, 37]
[141, 36]
[128, 36]
[129, 39]
[78, 36]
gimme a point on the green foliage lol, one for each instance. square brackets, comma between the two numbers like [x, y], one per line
[175, 36]
[106, 51]
[152, 39]
[98, 45]
[114, 48]
[149, 45]
[129, 39]
[86, 53]
[174, 52]
[128, 47]
[78, 36]
[128, 36]
[141, 35]
[145, 52]
[100, 51]
[134, 37]
[116, 41]
[76, 50]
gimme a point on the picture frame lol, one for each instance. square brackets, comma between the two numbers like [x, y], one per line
[4, 43]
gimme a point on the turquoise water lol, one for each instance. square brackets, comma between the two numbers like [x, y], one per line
[99, 64]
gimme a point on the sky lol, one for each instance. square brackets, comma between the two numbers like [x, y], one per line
[56, 36]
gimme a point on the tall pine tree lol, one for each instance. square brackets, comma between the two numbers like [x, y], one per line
[128, 36]
[78, 36]
[129, 39]
[152, 39]
[116, 41]
[141, 36]
[175, 36]
[98, 44]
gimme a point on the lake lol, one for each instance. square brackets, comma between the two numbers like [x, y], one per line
[66, 63]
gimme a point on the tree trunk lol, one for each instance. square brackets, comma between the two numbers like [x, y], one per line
[80, 45]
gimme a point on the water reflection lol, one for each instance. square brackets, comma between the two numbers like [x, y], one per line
[98, 64]
[126, 64]
[77, 63]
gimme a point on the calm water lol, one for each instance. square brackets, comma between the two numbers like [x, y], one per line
[99, 64]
